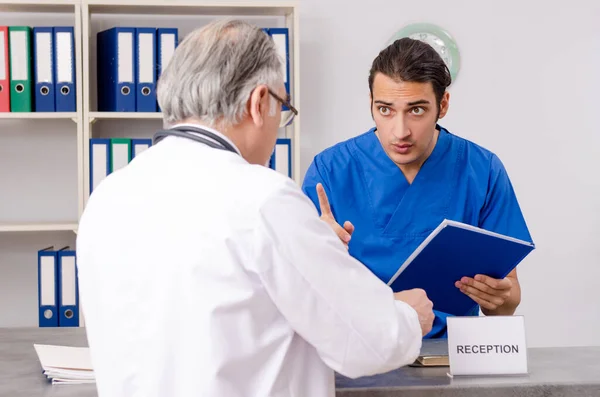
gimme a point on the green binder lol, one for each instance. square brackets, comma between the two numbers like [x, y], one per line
[21, 80]
[120, 153]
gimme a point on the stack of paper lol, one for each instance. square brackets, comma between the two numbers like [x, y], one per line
[66, 365]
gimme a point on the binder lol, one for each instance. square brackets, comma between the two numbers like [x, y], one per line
[100, 161]
[43, 69]
[281, 39]
[454, 250]
[166, 42]
[120, 153]
[47, 287]
[116, 70]
[4, 70]
[281, 159]
[139, 145]
[64, 71]
[20, 69]
[68, 289]
[145, 82]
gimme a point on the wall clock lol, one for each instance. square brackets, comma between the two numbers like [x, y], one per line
[436, 37]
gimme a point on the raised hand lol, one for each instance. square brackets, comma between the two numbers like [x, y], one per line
[344, 233]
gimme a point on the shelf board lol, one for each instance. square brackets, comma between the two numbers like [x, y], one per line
[38, 227]
[125, 115]
[38, 115]
[191, 7]
[38, 5]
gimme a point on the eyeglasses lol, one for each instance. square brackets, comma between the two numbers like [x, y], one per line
[286, 115]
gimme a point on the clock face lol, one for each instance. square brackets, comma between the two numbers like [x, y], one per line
[436, 37]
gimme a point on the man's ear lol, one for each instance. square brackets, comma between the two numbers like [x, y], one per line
[258, 104]
[444, 104]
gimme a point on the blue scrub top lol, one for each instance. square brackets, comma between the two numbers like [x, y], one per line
[460, 181]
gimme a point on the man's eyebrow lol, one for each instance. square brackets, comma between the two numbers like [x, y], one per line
[419, 102]
[384, 102]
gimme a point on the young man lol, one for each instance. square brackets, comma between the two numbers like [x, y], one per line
[396, 182]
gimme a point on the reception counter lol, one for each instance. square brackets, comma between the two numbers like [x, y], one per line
[553, 372]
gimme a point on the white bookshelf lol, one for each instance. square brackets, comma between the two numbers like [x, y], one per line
[41, 173]
[44, 157]
[186, 15]
[38, 227]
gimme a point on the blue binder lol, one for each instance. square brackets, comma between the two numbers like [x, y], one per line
[281, 39]
[47, 287]
[454, 250]
[281, 159]
[166, 41]
[68, 289]
[100, 161]
[145, 81]
[116, 70]
[138, 145]
[64, 70]
[44, 69]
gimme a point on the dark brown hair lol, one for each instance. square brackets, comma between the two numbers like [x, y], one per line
[412, 60]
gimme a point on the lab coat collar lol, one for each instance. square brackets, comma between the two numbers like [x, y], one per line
[219, 134]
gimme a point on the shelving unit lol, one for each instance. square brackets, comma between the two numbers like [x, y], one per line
[41, 173]
[44, 157]
[186, 15]
[39, 227]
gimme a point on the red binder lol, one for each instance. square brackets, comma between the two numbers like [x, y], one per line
[4, 71]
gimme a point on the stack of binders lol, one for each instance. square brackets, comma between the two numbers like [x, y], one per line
[130, 61]
[110, 154]
[37, 69]
[58, 288]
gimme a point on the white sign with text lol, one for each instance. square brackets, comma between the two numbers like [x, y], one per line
[494, 345]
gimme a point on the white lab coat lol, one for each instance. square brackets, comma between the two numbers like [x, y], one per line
[203, 275]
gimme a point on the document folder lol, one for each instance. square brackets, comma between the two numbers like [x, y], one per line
[47, 287]
[281, 39]
[281, 159]
[166, 42]
[20, 69]
[454, 250]
[145, 82]
[120, 153]
[100, 161]
[43, 69]
[138, 145]
[64, 42]
[116, 70]
[68, 290]
[4, 70]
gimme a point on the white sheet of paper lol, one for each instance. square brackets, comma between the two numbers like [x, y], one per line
[65, 357]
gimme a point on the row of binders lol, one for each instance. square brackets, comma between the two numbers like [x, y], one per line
[130, 61]
[58, 288]
[110, 154]
[37, 69]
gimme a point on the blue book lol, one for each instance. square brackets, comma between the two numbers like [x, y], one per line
[452, 251]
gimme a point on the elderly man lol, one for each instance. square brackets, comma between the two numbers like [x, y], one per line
[205, 273]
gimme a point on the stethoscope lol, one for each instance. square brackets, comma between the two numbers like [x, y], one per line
[193, 133]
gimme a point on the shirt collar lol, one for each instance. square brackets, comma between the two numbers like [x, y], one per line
[217, 133]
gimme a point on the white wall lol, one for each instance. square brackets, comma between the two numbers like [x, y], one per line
[522, 94]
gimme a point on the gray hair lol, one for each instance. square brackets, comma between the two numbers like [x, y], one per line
[213, 72]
